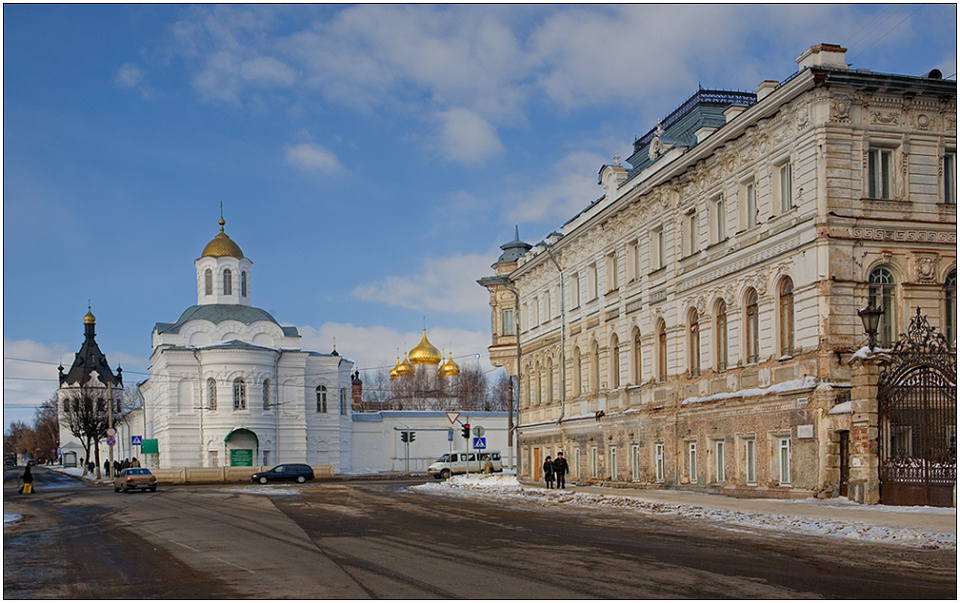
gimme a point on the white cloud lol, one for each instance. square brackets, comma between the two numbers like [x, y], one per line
[466, 137]
[30, 376]
[377, 347]
[442, 285]
[311, 157]
[571, 188]
[128, 76]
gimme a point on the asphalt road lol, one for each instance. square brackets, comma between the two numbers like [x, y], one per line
[369, 539]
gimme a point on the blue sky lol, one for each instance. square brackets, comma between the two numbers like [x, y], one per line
[370, 159]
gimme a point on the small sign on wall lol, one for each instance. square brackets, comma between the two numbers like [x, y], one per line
[805, 432]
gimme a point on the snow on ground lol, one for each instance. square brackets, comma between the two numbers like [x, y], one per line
[507, 489]
[11, 517]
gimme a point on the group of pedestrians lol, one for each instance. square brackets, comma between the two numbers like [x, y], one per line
[119, 466]
[556, 469]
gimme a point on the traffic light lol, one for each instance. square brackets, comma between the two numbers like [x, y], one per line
[413, 435]
[403, 436]
[465, 432]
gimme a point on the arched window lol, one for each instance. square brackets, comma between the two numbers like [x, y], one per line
[211, 394]
[637, 358]
[786, 317]
[721, 336]
[752, 332]
[661, 351]
[538, 389]
[208, 282]
[950, 306]
[266, 394]
[883, 294]
[615, 363]
[239, 394]
[577, 373]
[694, 343]
[321, 398]
[227, 282]
[243, 284]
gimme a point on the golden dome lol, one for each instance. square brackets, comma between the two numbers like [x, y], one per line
[89, 319]
[221, 246]
[425, 353]
[394, 370]
[450, 368]
[405, 368]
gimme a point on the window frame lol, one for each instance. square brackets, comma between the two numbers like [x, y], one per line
[239, 394]
[880, 172]
[750, 461]
[693, 342]
[692, 470]
[722, 346]
[787, 313]
[720, 462]
[751, 315]
[321, 393]
[883, 293]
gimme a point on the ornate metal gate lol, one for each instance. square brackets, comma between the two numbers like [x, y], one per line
[917, 404]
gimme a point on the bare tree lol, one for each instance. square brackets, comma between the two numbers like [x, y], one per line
[86, 414]
[501, 394]
[472, 389]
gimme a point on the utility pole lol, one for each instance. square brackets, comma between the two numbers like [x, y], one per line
[109, 423]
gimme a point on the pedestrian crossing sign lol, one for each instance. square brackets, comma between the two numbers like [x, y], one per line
[136, 440]
[480, 443]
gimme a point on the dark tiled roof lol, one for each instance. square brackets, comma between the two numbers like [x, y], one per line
[217, 313]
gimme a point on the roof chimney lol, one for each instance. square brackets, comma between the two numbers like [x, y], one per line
[824, 55]
[765, 88]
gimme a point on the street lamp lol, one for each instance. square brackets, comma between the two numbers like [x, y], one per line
[870, 317]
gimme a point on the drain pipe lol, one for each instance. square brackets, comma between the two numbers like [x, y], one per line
[563, 333]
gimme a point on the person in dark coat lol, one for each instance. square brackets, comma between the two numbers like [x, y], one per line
[560, 470]
[27, 481]
[106, 468]
[548, 472]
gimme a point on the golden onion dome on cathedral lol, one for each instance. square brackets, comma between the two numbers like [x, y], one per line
[393, 371]
[89, 318]
[449, 368]
[221, 246]
[405, 368]
[425, 353]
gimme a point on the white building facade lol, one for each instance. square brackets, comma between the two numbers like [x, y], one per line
[230, 386]
[693, 327]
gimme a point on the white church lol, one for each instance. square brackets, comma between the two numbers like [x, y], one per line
[230, 386]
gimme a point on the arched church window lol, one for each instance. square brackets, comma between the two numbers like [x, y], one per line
[694, 342]
[227, 282]
[266, 394]
[883, 294]
[321, 398]
[239, 394]
[211, 394]
[243, 284]
[208, 282]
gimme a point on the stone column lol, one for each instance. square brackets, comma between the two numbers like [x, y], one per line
[864, 485]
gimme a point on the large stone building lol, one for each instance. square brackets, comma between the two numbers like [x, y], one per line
[694, 327]
[230, 386]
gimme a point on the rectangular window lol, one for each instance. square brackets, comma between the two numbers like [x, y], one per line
[613, 462]
[613, 281]
[658, 249]
[575, 470]
[692, 233]
[692, 461]
[750, 461]
[213, 458]
[721, 469]
[786, 188]
[635, 463]
[594, 462]
[266, 458]
[950, 178]
[880, 173]
[633, 261]
[593, 289]
[719, 220]
[575, 290]
[750, 207]
[659, 461]
[508, 322]
[784, 461]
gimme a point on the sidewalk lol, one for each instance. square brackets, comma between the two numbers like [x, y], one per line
[930, 519]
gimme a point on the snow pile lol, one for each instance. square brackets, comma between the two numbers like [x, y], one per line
[507, 489]
[11, 517]
[778, 388]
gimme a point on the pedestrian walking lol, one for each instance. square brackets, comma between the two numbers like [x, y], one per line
[106, 469]
[548, 472]
[560, 470]
[27, 487]
[134, 462]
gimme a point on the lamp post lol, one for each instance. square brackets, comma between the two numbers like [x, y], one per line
[870, 317]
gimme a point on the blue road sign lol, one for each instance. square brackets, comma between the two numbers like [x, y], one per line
[480, 443]
[111, 441]
[136, 440]
[449, 435]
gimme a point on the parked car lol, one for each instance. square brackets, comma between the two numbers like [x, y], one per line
[135, 478]
[460, 462]
[297, 472]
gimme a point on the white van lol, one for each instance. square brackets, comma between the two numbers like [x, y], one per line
[457, 462]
